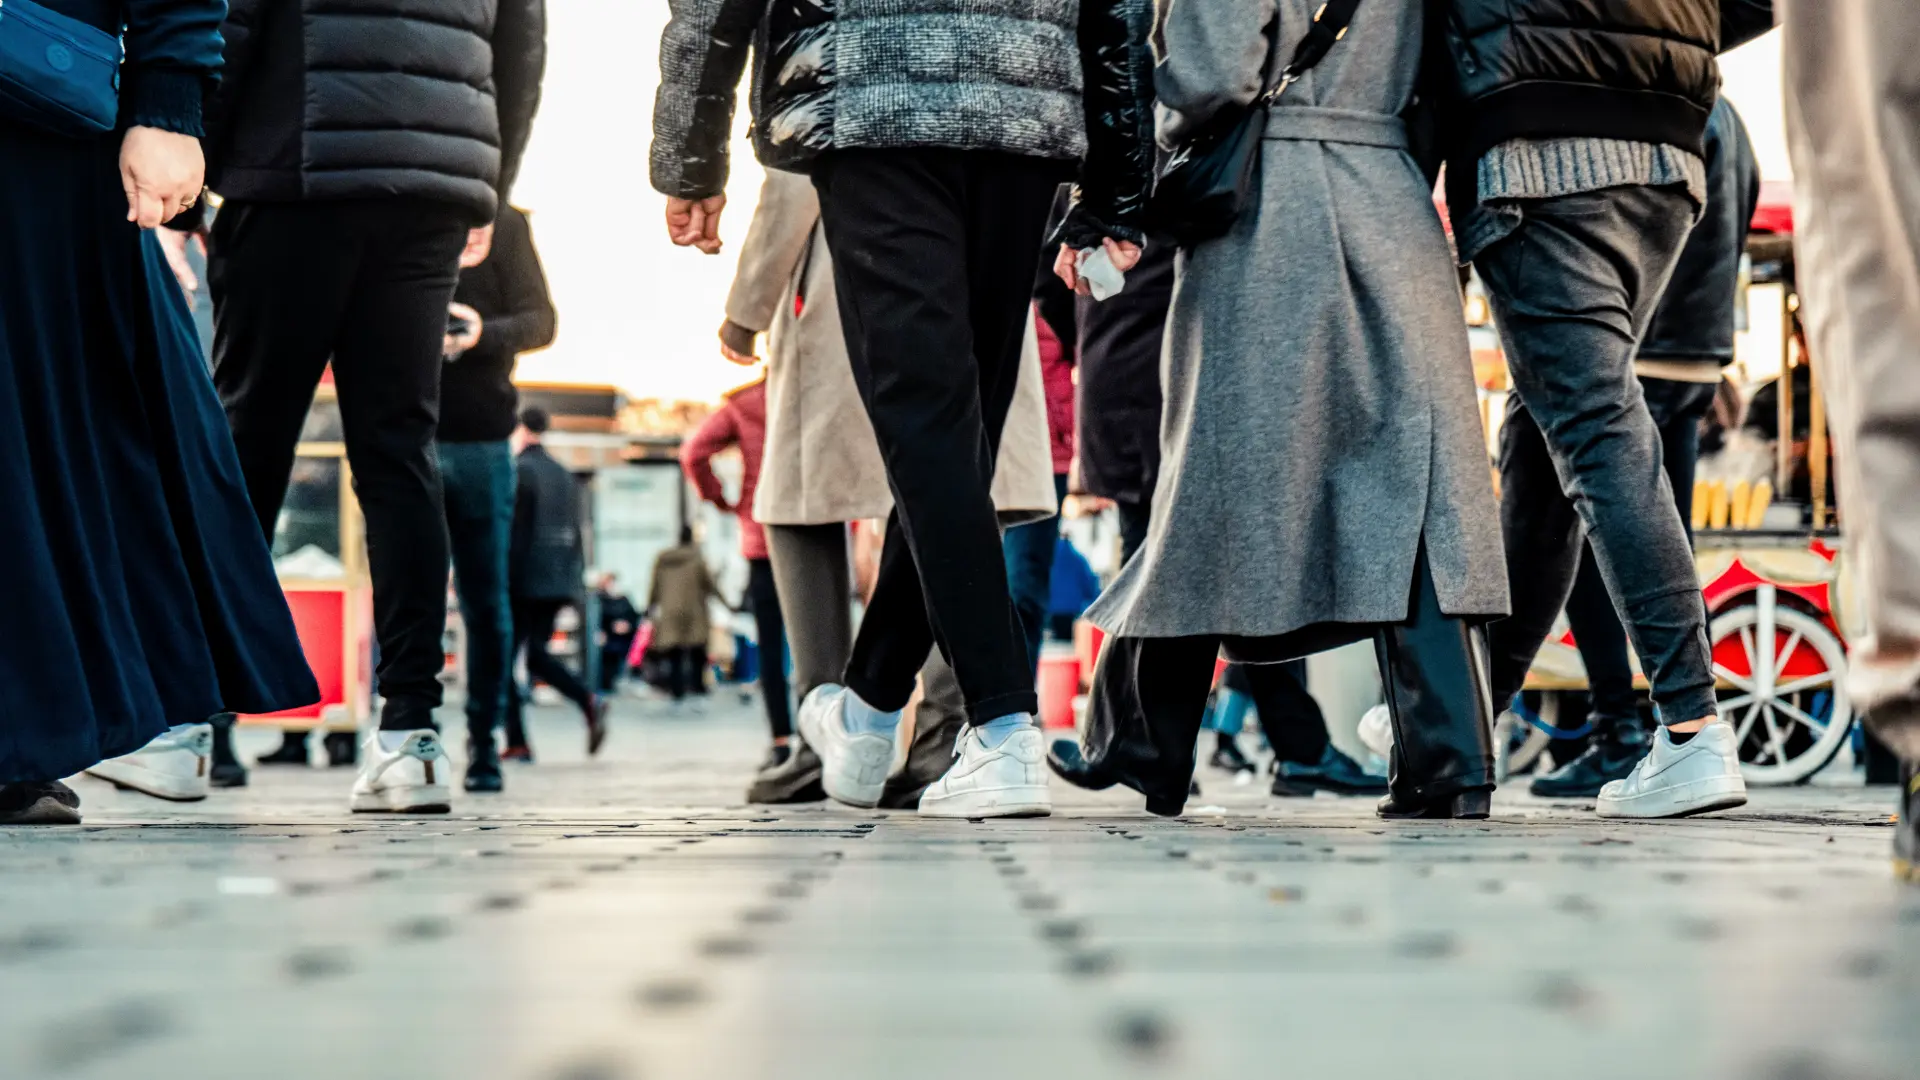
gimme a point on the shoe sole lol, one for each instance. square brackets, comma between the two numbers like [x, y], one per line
[853, 791]
[1020, 802]
[1290, 789]
[418, 799]
[1687, 800]
[45, 810]
[172, 789]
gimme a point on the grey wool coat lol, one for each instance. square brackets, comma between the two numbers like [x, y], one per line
[1321, 421]
[822, 461]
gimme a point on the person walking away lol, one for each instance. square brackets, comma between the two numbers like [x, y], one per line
[142, 596]
[741, 421]
[1030, 548]
[545, 564]
[677, 603]
[1854, 132]
[502, 308]
[1572, 191]
[619, 625]
[360, 150]
[935, 173]
[1683, 357]
[1322, 480]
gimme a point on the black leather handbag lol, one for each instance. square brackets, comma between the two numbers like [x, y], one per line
[1204, 185]
[58, 74]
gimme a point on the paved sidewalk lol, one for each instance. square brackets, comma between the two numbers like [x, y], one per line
[629, 919]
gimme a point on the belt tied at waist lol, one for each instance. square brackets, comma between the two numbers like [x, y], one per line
[1311, 123]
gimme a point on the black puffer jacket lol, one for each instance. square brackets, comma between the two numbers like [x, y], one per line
[1695, 320]
[344, 99]
[1643, 70]
[1056, 79]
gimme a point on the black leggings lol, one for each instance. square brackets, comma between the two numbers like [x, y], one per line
[764, 596]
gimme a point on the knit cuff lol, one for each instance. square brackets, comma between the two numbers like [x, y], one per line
[164, 99]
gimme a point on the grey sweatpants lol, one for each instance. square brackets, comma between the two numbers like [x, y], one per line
[1853, 117]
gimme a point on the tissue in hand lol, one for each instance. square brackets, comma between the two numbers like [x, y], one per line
[1103, 279]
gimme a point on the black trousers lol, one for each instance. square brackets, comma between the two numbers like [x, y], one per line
[686, 670]
[1677, 408]
[764, 596]
[363, 284]
[1150, 695]
[533, 622]
[934, 254]
[1291, 718]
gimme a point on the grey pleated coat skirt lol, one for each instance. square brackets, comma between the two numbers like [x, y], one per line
[1321, 421]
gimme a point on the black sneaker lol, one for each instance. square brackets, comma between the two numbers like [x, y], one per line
[52, 803]
[292, 750]
[1605, 761]
[1334, 772]
[1227, 756]
[1906, 831]
[793, 778]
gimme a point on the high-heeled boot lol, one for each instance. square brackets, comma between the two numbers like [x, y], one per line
[1434, 668]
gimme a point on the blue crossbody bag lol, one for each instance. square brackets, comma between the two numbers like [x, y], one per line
[57, 73]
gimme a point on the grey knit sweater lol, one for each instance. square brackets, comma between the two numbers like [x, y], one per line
[1005, 75]
[1522, 169]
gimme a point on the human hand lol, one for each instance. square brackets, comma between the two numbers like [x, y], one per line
[1124, 255]
[162, 173]
[696, 223]
[479, 246]
[455, 344]
[174, 243]
[736, 343]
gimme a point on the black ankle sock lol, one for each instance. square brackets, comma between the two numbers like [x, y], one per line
[1681, 738]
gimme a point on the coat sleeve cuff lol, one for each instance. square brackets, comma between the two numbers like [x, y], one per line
[164, 99]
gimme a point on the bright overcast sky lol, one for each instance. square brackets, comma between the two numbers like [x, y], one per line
[641, 314]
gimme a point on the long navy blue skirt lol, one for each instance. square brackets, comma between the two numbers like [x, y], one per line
[135, 588]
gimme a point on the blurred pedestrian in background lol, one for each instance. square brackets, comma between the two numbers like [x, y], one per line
[141, 597]
[821, 470]
[501, 309]
[1853, 120]
[1073, 588]
[619, 625]
[360, 150]
[741, 421]
[935, 172]
[1030, 548]
[1324, 480]
[1682, 361]
[545, 564]
[677, 604]
[1572, 194]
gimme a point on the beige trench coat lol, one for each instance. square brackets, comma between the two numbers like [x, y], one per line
[822, 463]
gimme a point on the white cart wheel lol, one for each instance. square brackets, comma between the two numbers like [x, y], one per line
[1780, 671]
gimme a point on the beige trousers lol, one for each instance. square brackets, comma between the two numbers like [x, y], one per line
[1853, 113]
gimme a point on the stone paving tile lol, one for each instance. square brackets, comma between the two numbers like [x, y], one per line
[630, 919]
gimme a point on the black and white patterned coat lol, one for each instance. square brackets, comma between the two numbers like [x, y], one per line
[1058, 79]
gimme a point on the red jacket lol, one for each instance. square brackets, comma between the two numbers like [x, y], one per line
[1056, 369]
[741, 420]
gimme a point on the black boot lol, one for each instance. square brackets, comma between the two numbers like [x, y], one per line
[1906, 831]
[1227, 755]
[1069, 764]
[227, 772]
[792, 777]
[1435, 671]
[483, 763]
[343, 749]
[1617, 746]
[1335, 772]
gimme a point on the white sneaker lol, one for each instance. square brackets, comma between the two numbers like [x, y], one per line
[1009, 780]
[1376, 730]
[415, 779]
[175, 765]
[853, 768]
[1673, 781]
